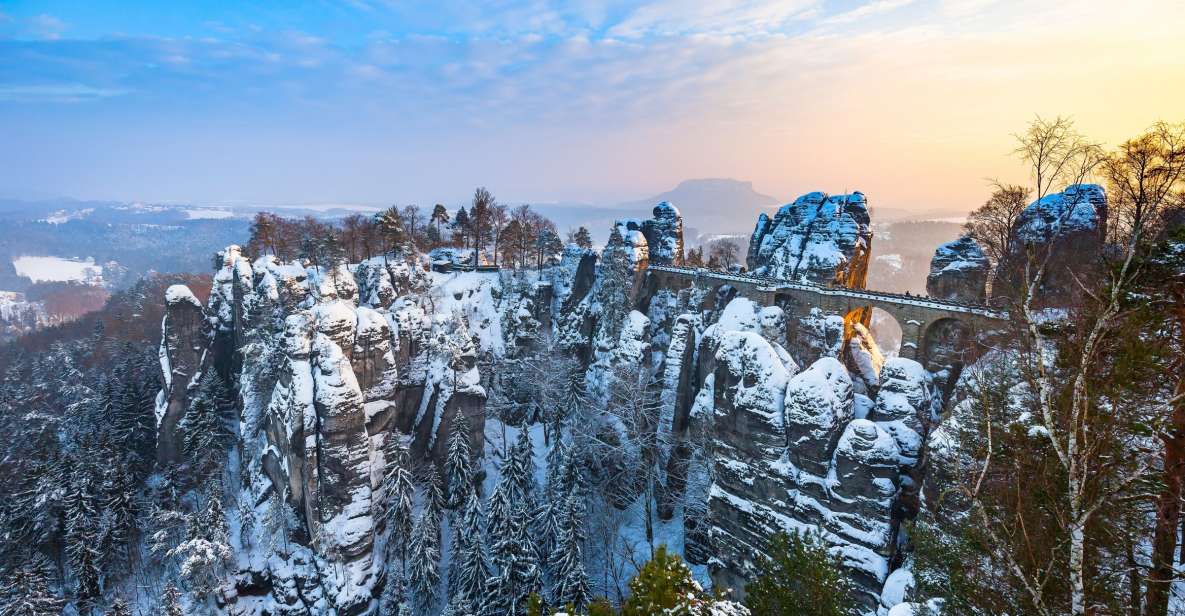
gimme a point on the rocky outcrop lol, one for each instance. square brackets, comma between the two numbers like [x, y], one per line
[1064, 230]
[749, 386]
[664, 234]
[657, 240]
[959, 272]
[818, 238]
[182, 350]
[802, 451]
[329, 361]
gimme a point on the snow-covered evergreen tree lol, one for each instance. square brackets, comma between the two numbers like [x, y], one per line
[24, 590]
[205, 552]
[170, 601]
[424, 560]
[458, 464]
[206, 429]
[571, 585]
[83, 540]
[518, 571]
[469, 568]
[119, 607]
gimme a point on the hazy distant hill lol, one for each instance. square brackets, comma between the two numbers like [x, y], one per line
[717, 205]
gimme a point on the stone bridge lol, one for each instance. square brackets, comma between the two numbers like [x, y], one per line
[933, 332]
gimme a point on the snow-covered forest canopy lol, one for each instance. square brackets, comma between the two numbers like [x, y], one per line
[471, 412]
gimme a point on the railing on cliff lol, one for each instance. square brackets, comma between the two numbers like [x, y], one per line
[775, 284]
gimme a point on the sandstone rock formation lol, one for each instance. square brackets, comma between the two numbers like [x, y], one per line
[182, 346]
[330, 362]
[959, 272]
[657, 240]
[1064, 230]
[664, 234]
[818, 238]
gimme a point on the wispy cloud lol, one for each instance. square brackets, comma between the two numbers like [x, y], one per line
[47, 26]
[870, 9]
[55, 93]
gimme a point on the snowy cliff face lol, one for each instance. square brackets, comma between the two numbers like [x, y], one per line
[830, 449]
[805, 452]
[959, 272]
[817, 238]
[1067, 228]
[182, 353]
[329, 364]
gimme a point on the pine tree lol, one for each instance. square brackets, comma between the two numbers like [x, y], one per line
[571, 579]
[24, 591]
[800, 576]
[392, 601]
[207, 433]
[522, 471]
[206, 549]
[470, 570]
[517, 563]
[461, 224]
[665, 586]
[170, 601]
[390, 226]
[119, 514]
[582, 238]
[500, 508]
[82, 540]
[458, 463]
[546, 525]
[397, 493]
[556, 458]
[424, 568]
[119, 607]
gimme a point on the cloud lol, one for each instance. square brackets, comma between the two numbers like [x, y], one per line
[47, 26]
[745, 19]
[877, 7]
[55, 93]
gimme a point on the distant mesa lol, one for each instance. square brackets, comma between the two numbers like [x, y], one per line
[720, 204]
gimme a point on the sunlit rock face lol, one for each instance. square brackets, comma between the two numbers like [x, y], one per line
[1065, 231]
[959, 272]
[818, 238]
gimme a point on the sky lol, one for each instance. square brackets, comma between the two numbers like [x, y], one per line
[913, 102]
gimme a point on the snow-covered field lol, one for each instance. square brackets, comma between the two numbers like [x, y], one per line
[56, 269]
[203, 214]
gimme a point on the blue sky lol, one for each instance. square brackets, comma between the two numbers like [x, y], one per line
[368, 101]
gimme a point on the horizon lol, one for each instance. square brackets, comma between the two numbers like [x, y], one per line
[912, 102]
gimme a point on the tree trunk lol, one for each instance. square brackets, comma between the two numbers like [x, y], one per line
[1168, 505]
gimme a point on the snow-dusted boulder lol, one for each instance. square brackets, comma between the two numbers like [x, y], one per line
[817, 407]
[817, 238]
[959, 272]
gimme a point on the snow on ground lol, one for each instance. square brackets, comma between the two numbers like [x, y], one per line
[204, 214]
[62, 216]
[56, 269]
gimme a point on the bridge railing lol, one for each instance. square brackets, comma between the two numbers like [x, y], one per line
[775, 284]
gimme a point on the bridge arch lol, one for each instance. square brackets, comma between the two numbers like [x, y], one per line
[887, 331]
